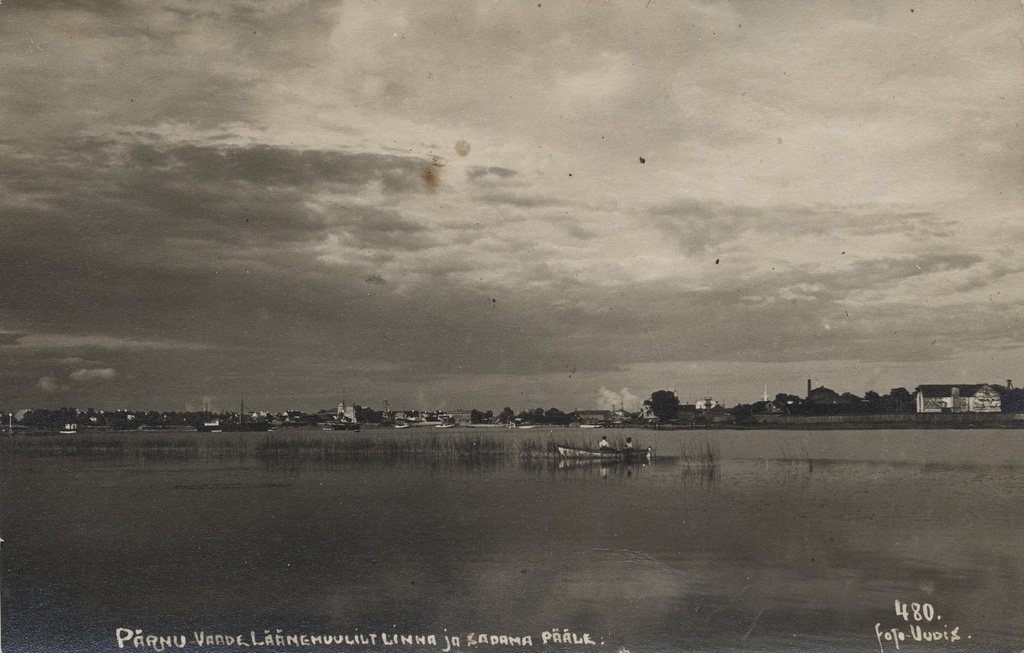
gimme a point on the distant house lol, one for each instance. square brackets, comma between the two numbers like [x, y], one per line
[823, 396]
[461, 416]
[346, 413]
[686, 412]
[958, 398]
[593, 416]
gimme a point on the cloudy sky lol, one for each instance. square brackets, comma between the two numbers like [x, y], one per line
[505, 203]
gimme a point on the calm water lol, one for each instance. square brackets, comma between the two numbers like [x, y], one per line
[794, 541]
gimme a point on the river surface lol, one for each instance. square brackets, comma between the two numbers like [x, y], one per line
[788, 540]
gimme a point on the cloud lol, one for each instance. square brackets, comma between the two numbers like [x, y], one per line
[94, 374]
[490, 173]
[49, 384]
[68, 341]
[233, 183]
[610, 400]
[522, 200]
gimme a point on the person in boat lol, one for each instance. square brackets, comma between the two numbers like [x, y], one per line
[604, 445]
[629, 444]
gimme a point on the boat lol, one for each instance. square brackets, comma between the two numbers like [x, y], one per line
[231, 426]
[69, 429]
[604, 454]
[445, 425]
[345, 426]
[210, 426]
[591, 426]
[402, 425]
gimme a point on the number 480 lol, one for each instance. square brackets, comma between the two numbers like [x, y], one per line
[916, 611]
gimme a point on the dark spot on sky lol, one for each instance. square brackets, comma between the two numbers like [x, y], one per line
[643, 160]
[462, 147]
[375, 279]
[716, 261]
[570, 174]
[432, 174]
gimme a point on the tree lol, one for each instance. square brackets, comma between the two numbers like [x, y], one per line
[902, 400]
[534, 416]
[506, 415]
[875, 402]
[744, 412]
[368, 415]
[664, 404]
[786, 403]
[555, 416]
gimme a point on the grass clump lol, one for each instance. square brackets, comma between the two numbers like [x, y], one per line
[702, 459]
[292, 445]
[326, 447]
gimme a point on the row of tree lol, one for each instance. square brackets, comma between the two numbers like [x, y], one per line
[663, 407]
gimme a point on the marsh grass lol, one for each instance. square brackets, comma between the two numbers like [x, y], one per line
[277, 445]
[798, 459]
[319, 447]
[796, 465]
[702, 460]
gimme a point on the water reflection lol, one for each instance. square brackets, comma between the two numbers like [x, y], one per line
[690, 552]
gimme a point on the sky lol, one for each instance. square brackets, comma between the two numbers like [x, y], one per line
[527, 204]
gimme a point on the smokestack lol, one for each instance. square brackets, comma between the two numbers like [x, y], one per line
[1009, 384]
[808, 388]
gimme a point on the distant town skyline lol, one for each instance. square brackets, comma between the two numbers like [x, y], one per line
[528, 204]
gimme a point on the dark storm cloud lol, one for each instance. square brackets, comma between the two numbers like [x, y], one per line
[521, 200]
[490, 173]
[204, 244]
[8, 339]
[269, 166]
[840, 281]
[781, 317]
[700, 226]
[140, 192]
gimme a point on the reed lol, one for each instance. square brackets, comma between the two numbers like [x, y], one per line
[704, 453]
[703, 460]
[797, 466]
[294, 445]
[317, 446]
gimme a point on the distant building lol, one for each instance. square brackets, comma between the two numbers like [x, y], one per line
[822, 395]
[961, 398]
[593, 416]
[461, 416]
[346, 413]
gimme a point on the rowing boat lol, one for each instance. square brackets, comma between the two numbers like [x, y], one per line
[604, 454]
